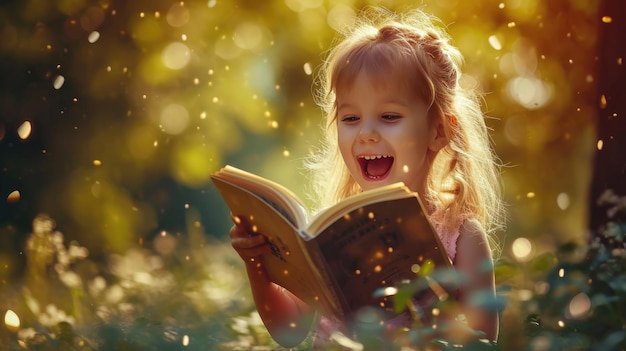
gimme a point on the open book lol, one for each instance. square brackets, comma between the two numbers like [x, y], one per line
[337, 259]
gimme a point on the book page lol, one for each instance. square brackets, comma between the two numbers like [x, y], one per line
[328, 216]
[378, 246]
[279, 197]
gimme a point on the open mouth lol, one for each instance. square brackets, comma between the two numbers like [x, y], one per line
[375, 167]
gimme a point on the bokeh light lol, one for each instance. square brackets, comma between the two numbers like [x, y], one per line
[522, 249]
[579, 306]
[11, 320]
[176, 55]
[248, 36]
[174, 119]
[25, 129]
[531, 93]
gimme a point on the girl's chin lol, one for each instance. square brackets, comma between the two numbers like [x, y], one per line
[373, 184]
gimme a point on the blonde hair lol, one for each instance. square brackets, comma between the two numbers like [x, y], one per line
[463, 181]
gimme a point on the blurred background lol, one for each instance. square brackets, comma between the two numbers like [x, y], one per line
[113, 114]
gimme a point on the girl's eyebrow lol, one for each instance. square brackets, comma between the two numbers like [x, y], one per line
[398, 102]
[344, 105]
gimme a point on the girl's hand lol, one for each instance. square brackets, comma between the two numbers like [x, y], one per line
[248, 245]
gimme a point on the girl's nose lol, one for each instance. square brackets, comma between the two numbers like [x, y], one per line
[368, 132]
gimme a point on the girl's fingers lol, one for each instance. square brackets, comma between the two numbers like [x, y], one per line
[254, 252]
[247, 242]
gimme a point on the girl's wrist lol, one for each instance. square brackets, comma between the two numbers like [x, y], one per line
[254, 266]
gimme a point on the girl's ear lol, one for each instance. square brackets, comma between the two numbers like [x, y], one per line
[441, 132]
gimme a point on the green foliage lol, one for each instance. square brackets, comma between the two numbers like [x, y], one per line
[584, 304]
[193, 296]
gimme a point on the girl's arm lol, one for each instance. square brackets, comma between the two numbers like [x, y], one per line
[285, 316]
[474, 264]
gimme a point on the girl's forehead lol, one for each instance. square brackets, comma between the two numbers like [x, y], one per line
[379, 81]
[387, 66]
[385, 80]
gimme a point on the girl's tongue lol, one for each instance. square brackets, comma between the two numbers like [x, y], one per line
[378, 167]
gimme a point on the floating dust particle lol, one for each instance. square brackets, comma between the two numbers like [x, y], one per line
[607, 19]
[93, 37]
[24, 130]
[11, 320]
[58, 82]
[14, 196]
[602, 101]
[307, 69]
[97, 163]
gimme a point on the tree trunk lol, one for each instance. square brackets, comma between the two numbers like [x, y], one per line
[610, 158]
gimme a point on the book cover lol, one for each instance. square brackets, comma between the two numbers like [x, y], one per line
[370, 241]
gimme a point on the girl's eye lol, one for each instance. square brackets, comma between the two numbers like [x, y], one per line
[349, 119]
[391, 117]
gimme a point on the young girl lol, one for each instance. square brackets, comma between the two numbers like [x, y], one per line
[396, 112]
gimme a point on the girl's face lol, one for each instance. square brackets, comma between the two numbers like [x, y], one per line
[385, 135]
